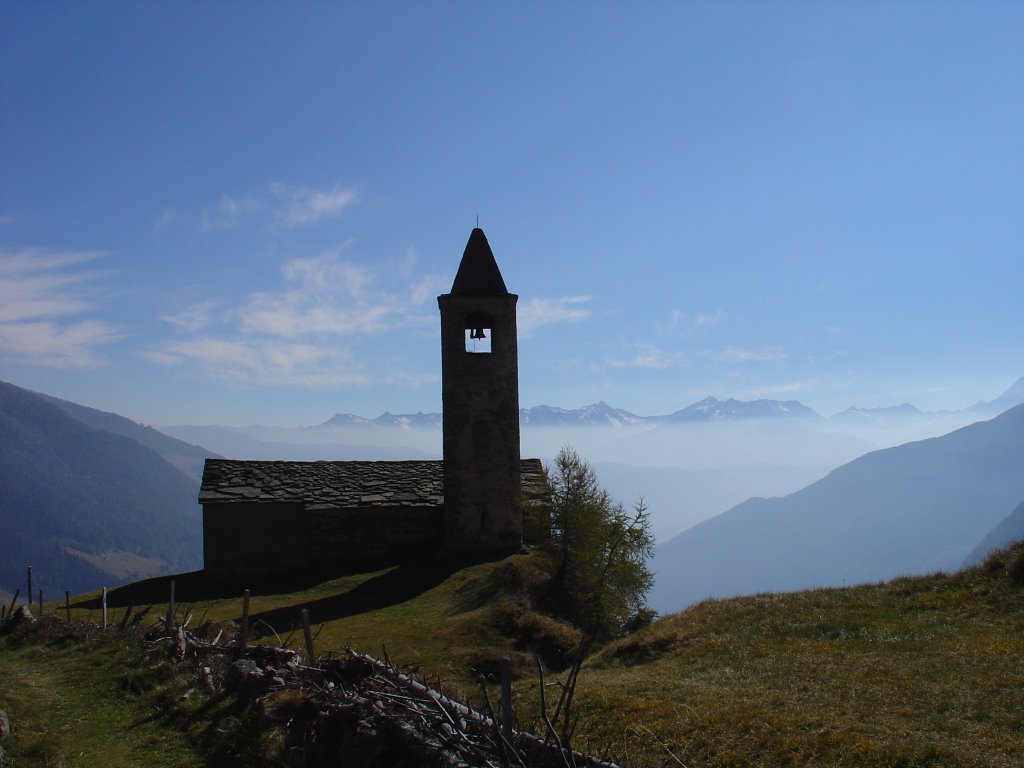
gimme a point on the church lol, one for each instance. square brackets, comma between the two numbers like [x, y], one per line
[279, 515]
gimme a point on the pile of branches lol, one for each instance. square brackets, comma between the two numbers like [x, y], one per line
[357, 710]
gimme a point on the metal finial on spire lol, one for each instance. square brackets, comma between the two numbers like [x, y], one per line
[478, 221]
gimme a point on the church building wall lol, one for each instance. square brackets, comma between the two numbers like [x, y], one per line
[373, 534]
[254, 537]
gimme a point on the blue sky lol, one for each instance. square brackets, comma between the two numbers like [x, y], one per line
[243, 213]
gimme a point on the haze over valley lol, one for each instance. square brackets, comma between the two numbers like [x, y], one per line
[714, 466]
[688, 465]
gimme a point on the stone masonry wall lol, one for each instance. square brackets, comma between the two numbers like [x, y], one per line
[374, 534]
[241, 537]
[481, 426]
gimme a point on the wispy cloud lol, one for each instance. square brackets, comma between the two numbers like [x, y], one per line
[413, 380]
[648, 356]
[786, 388]
[228, 213]
[297, 313]
[192, 318]
[295, 336]
[304, 205]
[327, 296]
[328, 273]
[426, 289]
[263, 362]
[540, 312]
[168, 217]
[684, 323]
[733, 355]
[291, 205]
[41, 295]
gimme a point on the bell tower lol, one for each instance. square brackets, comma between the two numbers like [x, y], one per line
[480, 396]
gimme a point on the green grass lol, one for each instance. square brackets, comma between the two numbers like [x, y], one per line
[69, 706]
[450, 621]
[915, 672]
[107, 699]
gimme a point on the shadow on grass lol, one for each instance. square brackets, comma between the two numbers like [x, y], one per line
[198, 585]
[397, 585]
[400, 582]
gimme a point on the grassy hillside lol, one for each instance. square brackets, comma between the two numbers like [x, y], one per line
[916, 671]
[913, 672]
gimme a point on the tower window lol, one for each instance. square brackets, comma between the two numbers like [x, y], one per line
[479, 327]
[478, 339]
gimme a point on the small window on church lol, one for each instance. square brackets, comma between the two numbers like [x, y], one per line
[478, 339]
[478, 332]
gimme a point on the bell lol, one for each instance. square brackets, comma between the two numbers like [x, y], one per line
[478, 333]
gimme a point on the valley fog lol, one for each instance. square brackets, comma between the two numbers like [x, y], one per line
[685, 472]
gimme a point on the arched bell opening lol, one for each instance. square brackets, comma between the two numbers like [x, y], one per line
[479, 332]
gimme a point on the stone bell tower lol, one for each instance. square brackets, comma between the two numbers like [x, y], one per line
[480, 395]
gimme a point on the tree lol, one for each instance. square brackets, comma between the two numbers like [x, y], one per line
[602, 576]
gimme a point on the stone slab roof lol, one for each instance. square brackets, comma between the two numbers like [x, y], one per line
[341, 484]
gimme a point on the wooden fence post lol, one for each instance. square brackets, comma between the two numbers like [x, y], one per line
[28, 595]
[67, 604]
[40, 602]
[104, 607]
[308, 636]
[243, 635]
[506, 699]
[169, 623]
[10, 611]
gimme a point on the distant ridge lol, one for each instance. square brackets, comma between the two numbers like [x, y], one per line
[903, 410]
[710, 409]
[915, 508]
[599, 414]
[417, 420]
[1009, 530]
[186, 457]
[596, 414]
[713, 409]
[1014, 395]
[86, 507]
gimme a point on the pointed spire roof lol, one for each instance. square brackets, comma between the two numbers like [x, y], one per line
[478, 273]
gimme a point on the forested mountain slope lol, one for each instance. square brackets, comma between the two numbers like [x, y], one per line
[85, 507]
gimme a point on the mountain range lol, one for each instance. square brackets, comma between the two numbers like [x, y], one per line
[710, 409]
[89, 506]
[915, 508]
[600, 414]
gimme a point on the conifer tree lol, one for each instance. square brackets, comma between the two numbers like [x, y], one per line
[602, 550]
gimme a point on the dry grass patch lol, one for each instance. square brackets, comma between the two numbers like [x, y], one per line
[914, 672]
